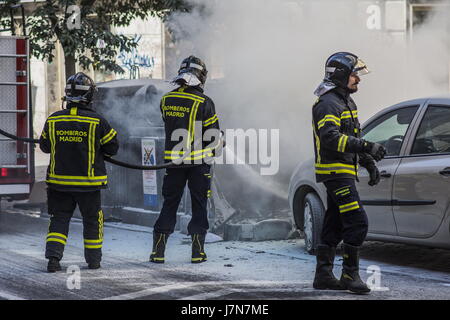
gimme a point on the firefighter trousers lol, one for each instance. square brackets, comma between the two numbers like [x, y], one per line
[61, 206]
[345, 218]
[199, 183]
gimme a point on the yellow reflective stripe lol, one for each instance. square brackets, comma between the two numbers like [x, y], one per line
[342, 188]
[210, 121]
[56, 240]
[329, 118]
[192, 95]
[100, 224]
[185, 95]
[90, 150]
[108, 137]
[348, 205]
[72, 117]
[316, 138]
[93, 241]
[321, 125]
[157, 259]
[77, 177]
[44, 135]
[93, 246]
[342, 191]
[53, 146]
[73, 120]
[346, 114]
[159, 240]
[335, 171]
[190, 126]
[207, 125]
[349, 209]
[198, 259]
[331, 165]
[76, 183]
[194, 117]
[342, 143]
[57, 235]
[182, 95]
[73, 111]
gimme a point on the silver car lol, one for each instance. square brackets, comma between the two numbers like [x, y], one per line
[411, 204]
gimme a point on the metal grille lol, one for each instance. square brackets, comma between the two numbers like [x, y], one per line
[8, 149]
[8, 99]
[8, 45]
[7, 65]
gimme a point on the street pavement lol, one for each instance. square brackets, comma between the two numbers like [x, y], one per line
[235, 270]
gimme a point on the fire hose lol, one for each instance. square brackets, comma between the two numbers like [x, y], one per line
[111, 160]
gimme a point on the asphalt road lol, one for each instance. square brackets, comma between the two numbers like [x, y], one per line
[235, 270]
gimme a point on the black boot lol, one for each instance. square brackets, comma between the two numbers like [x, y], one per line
[324, 278]
[94, 265]
[159, 246]
[53, 265]
[198, 248]
[350, 270]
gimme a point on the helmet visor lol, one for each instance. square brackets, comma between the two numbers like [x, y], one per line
[361, 68]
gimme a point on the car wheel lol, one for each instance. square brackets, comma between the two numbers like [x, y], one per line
[313, 213]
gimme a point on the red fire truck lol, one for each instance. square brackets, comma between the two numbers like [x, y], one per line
[16, 158]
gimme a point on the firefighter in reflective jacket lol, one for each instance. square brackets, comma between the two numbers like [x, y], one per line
[77, 139]
[184, 110]
[338, 150]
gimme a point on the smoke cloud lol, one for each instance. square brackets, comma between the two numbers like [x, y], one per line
[268, 57]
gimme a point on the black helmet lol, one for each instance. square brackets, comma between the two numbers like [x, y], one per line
[341, 65]
[80, 88]
[195, 66]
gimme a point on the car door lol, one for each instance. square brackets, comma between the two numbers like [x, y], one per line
[422, 182]
[390, 130]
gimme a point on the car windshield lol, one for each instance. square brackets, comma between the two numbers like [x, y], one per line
[390, 129]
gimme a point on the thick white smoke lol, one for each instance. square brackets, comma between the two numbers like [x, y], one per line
[271, 55]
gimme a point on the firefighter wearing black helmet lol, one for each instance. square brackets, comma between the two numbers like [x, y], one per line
[339, 149]
[77, 139]
[187, 112]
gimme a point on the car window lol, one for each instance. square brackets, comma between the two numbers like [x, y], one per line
[434, 132]
[390, 129]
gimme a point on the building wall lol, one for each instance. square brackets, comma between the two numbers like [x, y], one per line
[147, 60]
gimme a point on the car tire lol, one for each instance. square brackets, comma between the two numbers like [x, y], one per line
[313, 213]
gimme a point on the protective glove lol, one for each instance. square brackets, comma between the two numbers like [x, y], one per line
[376, 150]
[374, 175]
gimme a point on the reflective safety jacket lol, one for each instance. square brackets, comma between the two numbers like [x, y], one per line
[337, 137]
[77, 139]
[188, 109]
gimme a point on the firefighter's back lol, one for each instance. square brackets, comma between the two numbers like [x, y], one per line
[74, 138]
